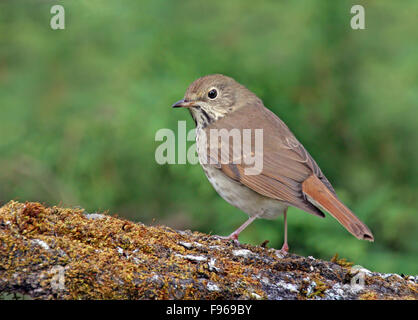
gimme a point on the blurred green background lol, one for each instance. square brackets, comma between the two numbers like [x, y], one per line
[79, 109]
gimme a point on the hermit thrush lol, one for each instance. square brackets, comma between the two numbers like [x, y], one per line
[288, 175]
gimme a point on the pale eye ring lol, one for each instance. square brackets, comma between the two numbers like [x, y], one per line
[212, 94]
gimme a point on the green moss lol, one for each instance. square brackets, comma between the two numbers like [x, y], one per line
[112, 258]
[95, 268]
[319, 289]
[342, 261]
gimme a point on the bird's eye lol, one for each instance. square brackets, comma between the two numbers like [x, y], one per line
[212, 94]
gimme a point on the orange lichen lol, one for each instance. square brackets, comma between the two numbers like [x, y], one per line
[106, 257]
[102, 257]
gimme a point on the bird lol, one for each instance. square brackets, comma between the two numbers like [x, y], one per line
[289, 176]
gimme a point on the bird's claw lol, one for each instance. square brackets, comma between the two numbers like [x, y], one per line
[232, 236]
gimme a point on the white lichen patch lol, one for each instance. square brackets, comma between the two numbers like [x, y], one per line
[388, 275]
[265, 280]
[187, 245]
[288, 286]
[242, 253]
[41, 243]
[335, 293]
[155, 277]
[310, 288]
[256, 296]
[135, 260]
[211, 265]
[192, 257]
[184, 232]
[212, 286]
[339, 292]
[95, 216]
[279, 254]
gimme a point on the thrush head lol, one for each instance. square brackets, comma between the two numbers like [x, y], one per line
[212, 97]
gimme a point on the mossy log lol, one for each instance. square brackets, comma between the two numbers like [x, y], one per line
[58, 253]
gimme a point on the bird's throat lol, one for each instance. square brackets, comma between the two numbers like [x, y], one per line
[203, 117]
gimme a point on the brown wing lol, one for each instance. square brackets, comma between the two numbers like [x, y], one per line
[286, 163]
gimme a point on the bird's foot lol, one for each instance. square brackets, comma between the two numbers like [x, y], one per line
[285, 248]
[233, 236]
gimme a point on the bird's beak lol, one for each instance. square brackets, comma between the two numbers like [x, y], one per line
[183, 104]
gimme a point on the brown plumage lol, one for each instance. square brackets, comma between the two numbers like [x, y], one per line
[321, 196]
[289, 175]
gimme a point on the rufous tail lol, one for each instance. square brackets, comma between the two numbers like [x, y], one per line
[320, 196]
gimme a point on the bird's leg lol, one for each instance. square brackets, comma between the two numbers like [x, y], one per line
[285, 247]
[234, 235]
